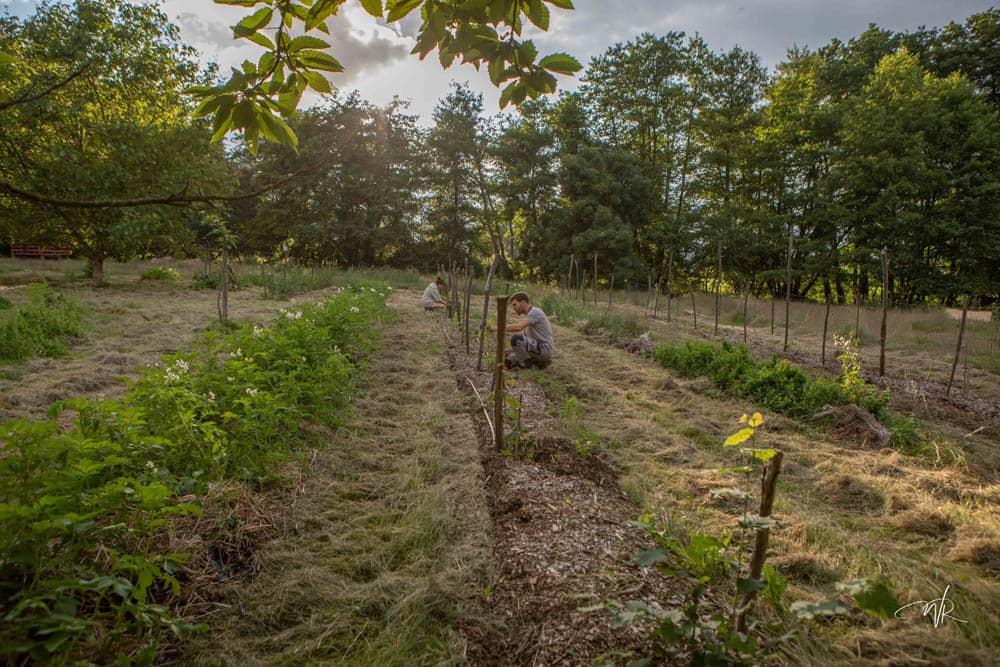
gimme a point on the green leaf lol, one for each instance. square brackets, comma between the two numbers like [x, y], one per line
[251, 24]
[649, 558]
[241, 3]
[373, 7]
[306, 42]
[764, 455]
[321, 11]
[757, 522]
[875, 597]
[807, 610]
[496, 68]
[398, 9]
[277, 130]
[506, 94]
[538, 14]
[561, 63]
[745, 586]
[317, 82]
[262, 40]
[319, 60]
[740, 436]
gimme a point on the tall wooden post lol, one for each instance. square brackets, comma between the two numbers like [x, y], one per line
[670, 280]
[718, 290]
[468, 307]
[612, 289]
[885, 310]
[595, 281]
[826, 324]
[788, 288]
[486, 309]
[958, 347]
[498, 398]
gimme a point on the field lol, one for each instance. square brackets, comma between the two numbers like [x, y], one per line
[402, 536]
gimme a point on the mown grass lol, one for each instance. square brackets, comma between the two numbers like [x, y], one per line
[386, 548]
[671, 434]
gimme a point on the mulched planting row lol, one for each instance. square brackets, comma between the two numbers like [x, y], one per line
[560, 542]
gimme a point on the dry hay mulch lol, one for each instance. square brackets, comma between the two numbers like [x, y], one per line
[925, 524]
[560, 542]
[854, 425]
[981, 551]
[850, 493]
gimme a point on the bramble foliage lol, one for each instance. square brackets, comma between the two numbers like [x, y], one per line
[81, 568]
[161, 273]
[777, 384]
[41, 327]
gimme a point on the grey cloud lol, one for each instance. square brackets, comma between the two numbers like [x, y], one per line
[359, 55]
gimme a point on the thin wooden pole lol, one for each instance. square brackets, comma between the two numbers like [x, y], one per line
[958, 347]
[611, 289]
[885, 310]
[468, 307]
[788, 287]
[595, 281]
[670, 281]
[486, 308]
[762, 537]
[826, 325]
[656, 299]
[718, 288]
[694, 309]
[746, 304]
[498, 398]
[649, 294]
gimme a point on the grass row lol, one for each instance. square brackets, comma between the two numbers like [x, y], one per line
[84, 505]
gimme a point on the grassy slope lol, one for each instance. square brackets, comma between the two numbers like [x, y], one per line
[845, 513]
[388, 538]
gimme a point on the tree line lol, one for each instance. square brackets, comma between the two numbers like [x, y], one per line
[671, 160]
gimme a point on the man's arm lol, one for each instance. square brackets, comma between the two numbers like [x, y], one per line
[517, 326]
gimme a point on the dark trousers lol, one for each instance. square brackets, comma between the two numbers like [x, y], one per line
[526, 353]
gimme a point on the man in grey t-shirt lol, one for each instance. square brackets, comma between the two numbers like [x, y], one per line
[533, 345]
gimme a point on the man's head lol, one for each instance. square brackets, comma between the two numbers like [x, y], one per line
[440, 281]
[520, 303]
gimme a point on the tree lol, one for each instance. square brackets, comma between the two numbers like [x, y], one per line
[115, 127]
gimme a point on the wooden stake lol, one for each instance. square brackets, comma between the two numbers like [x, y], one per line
[746, 311]
[670, 280]
[468, 306]
[486, 309]
[826, 326]
[611, 289]
[958, 347]
[885, 310]
[498, 398]
[694, 309]
[788, 288]
[718, 289]
[768, 486]
[595, 281]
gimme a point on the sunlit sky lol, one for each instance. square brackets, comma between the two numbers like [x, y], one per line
[378, 63]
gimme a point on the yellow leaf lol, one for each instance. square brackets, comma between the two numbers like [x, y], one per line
[756, 420]
[743, 419]
[740, 436]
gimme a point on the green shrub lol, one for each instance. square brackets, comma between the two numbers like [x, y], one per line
[5, 303]
[777, 385]
[41, 327]
[161, 273]
[83, 510]
[566, 311]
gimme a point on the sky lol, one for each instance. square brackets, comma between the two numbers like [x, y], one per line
[378, 64]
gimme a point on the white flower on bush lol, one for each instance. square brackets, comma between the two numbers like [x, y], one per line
[210, 397]
[238, 352]
[170, 375]
[374, 291]
[182, 366]
[251, 391]
[257, 330]
[230, 379]
[293, 315]
[355, 309]
[151, 467]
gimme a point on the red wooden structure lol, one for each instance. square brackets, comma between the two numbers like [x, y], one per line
[24, 250]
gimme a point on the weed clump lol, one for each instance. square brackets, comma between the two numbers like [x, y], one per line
[160, 274]
[40, 328]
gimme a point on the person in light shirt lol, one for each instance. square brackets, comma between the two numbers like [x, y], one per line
[432, 298]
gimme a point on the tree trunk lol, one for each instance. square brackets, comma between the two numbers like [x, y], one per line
[224, 288]
[97, 271]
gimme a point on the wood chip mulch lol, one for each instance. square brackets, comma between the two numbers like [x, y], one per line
[560, 543]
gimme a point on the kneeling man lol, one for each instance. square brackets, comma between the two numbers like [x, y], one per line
[532, 345]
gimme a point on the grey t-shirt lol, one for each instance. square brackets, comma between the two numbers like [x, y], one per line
[431, 295]
[540, 330]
